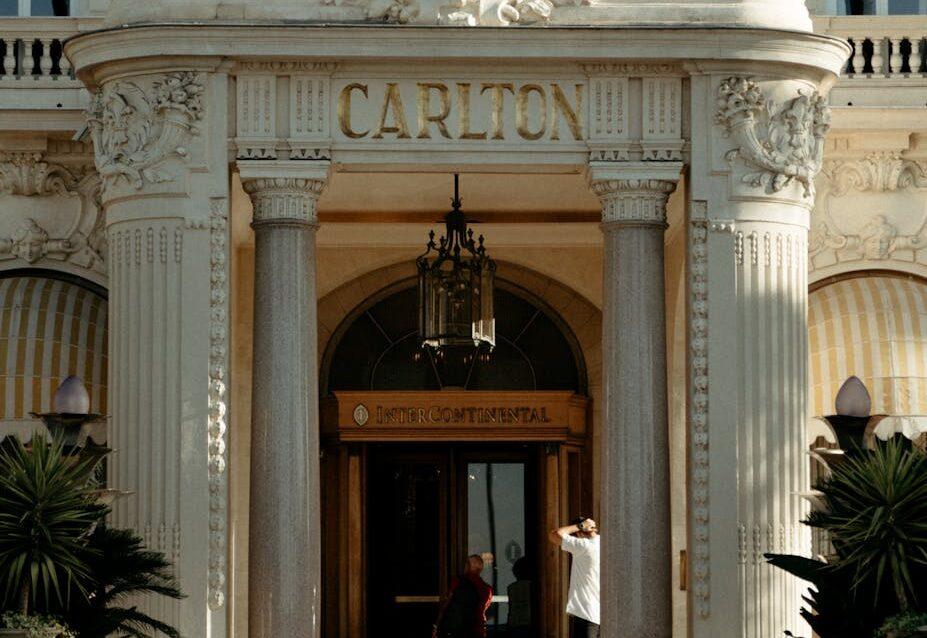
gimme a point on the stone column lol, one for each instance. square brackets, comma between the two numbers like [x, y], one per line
[285, 538]
[757, 143]
[636, 553]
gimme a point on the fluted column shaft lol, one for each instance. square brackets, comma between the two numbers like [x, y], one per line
[636, 550]
[284, 542]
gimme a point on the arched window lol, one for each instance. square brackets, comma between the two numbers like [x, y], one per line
[378, 348]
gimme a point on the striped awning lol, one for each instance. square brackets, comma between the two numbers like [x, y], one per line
[875, 328]
[49, 329]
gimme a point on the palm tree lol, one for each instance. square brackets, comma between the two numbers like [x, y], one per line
[875, 514]
[123, 570]
[48, 508]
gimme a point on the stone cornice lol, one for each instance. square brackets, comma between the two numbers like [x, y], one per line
[370, 41]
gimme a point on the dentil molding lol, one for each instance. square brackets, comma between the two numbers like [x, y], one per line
[138, 126]
[780, 144]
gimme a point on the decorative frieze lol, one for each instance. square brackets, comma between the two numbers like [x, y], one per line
[310, 137]
[662, 112]
[880, 172]
[136, 128]
[780, 144]
[257, 112]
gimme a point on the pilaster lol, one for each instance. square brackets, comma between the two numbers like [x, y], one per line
[285, 562]
[636, 542]
[757, 145]
[159, 145]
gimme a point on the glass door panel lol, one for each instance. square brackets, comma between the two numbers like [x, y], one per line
[496, 528]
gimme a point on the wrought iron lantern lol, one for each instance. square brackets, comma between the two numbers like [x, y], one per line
[455, 287]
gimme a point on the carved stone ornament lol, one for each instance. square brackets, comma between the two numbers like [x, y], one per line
[27, 174]
[853, 232]
[879, 172]
[878, 240]
[63, 231]
[217, 422]
[461, 12]
[136, 130]
[781, 144]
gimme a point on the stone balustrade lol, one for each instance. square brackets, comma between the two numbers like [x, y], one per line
[30, 50]
[883, 46]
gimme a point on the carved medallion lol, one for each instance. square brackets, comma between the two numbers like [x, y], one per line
[361, 415]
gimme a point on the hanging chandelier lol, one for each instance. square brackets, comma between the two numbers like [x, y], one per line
[455, 287]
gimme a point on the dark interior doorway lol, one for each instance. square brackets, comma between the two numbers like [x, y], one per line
[431, 507]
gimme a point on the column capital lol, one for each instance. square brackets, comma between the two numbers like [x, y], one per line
[284, 192]
[634, 192]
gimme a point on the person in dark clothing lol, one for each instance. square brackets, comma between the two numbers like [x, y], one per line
[463, 608]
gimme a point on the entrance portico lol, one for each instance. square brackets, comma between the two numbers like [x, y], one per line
[633, 113]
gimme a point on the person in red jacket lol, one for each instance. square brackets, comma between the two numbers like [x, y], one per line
[463, 608]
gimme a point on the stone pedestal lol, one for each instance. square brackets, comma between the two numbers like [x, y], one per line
[285, 533]
[636, 553]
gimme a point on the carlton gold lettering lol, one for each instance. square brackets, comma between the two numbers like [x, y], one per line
[522, 112]
[392, 101]
[497, 91]
[538, 111]
[344, 110]
[424, 109]
[570, 114]
[463, 114]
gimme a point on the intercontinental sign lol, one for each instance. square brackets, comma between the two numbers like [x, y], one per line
[460, 110]
[454, 415]
[469, 414]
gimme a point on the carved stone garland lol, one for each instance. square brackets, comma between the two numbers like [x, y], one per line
[698, 365]
[782, 144]
[135, 131]
[218, 377]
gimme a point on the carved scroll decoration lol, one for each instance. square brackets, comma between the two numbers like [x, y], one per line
[781, 144]
[135, 131]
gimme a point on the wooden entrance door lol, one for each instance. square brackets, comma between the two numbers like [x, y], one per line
[428, 509]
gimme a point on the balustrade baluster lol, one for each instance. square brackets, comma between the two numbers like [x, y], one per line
[45, 62]
[9, 59]
[857, 57]
[878, 56]
[64, 64]
[896, 60]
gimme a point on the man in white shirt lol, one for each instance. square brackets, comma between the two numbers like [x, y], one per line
[581, 539]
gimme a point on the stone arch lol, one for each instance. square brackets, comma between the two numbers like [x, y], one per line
[871, 324]
[52, 325]
[577, 313]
